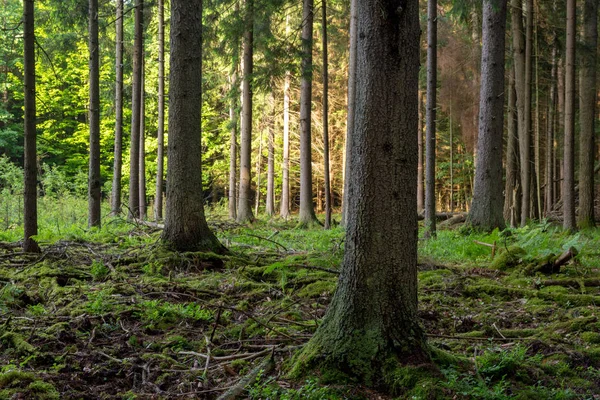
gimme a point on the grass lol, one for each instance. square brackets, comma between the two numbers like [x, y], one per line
[108, 313]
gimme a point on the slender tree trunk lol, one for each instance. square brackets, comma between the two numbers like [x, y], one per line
[306, 215]
[284, 210]
[185, 225]
[569, 149]
[372, 319]
[519, 51]
[486, 210]
[558, 141]
[451, 160]
[244, 213]
[115, 200]
[549, 192]
[420, 181]
[158, 198]
[270, 209]
[537, 148]
[94, 187]
[527, 109]
[134, 149]
[327, 179]
[142, 159]
[587, 115]
[430, 221]
[351, 105]
[511, 188]
[30, 223]
[233, 119]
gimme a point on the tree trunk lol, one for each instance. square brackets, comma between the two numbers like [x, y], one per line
[526, 147]
[327, 183]
[486, 210]
[233, 119]
[420, 182]
[94, 187]
[30, 224]
[587, 115]
[451, 142]
[284, 210]
[142, 159]
[306, 215]
[244, 213]
[522, 115]
[134, 149]
[511, 188]
[373, 318]
[549, 188]
[185, 225]
[350, 117]
[560, 133]
[569, 149]
[537, 148]
[115, 199]
[430, 228]
[270, 209]
[158, 198]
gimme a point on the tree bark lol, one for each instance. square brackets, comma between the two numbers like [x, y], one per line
[134, 149]
[94, 187]
[373, 315]
[569, 149]
[233, 120]
[284, 210]
[519, 50]
[158, 198]
[115, 199]
[430, 223]
[185, 225]
[306, 215]
[244, 213]
[511, 189]
[30, 223]
[270, 209]
[486, 211]
[420, 181]
[350, 117]
[142, 159]
[549, 183]
[327, 180]
[587, 114]
[526, 149]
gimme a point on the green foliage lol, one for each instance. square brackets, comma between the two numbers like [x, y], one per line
[99, 271]
[309, 390]
[160, 314]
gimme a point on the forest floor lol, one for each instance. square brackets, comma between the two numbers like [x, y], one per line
[114, 316]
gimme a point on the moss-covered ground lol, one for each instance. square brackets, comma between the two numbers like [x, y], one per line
[110, 314]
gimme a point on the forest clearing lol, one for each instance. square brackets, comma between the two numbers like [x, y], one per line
[110, 314]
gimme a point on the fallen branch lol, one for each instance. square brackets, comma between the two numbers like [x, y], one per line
[235, 391]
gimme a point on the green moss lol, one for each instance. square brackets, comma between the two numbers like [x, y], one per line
[15, 341]
[13, 378]
[508, 259]
[590, 337]
[43, 390]
[317, 289]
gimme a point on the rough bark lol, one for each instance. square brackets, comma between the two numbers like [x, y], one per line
[284, 210]
[94, 187]
[233, 120]
[160, 159]
[244, 213]
[185, 225]
[526, 148]
[549, 194]
[30, 223]
[511, 188]
[569, 144]
[306, 214]
[327, 180]
[486, 211]
[420, 175]
[115, 199]
[587, 115]
[372, 322]
[430, 223]
[522, 115]
[350, 117]
[134, 149]
[270, 204]
[142, 159]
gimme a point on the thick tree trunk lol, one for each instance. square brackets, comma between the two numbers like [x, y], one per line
[519, 51]
[94, 186]
[327, 180]
[420, 175]
[373, 316]
[569, 149]
[430, 228]
[134, 149]
[587, 114]
[244, 213]
[158, 198]
[185, 225]
[350, 117]
[306, 215]
[270, 204]
[550, 121]
[142, 159]
[233, 120]
[115, 199]
[511, 189]
[30, 223]
[486, 211]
